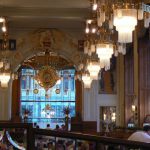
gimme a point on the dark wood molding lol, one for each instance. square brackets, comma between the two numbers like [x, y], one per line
[144, 77]
[129, 83]
[15, 114]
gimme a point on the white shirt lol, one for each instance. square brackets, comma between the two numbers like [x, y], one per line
[140, 136]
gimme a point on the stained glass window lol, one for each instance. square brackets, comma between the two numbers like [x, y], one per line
[34, 98]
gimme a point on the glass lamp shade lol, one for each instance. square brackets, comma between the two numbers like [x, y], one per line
[94, 7]
[86, 47]
[81, 66]
[93, 48]
[2, 19]
[140, 14]
[4, 79]
[146, 22]
[122, 48]
[104, 52]
[116, 53]
[94, 67]
[100, 18]
[86, 80]
[125, 21]
[1, 64]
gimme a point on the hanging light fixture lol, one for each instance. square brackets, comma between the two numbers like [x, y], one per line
[5, 70]
[146, 20]
[125, 20]
[93, 67]
[104, 52]
[5, 74]
[122, 48]
[86, 80]
[4, 79]
[124, 15]
[94, 6]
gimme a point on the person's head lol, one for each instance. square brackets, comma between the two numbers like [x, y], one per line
[57, 126]
[44, 146]
[146, 128]
[35, 124]
[63, 127]
[48, 125]
[50, 144]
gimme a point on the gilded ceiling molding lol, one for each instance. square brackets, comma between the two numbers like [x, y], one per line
[54, 40]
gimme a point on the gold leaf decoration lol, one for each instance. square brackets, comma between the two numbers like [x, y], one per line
[46, 77]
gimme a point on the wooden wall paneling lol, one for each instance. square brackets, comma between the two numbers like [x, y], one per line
[129, 84]
[89, 126]
[144, 78]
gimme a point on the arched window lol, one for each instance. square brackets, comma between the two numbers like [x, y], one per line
[41, 105]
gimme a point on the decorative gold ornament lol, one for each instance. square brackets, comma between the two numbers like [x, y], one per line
[46, 77]
[35, 91]
[57, 91]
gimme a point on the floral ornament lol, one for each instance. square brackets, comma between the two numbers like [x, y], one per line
[26, 113]
[66, 110]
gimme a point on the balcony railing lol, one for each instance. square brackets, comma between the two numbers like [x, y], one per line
[24, 135]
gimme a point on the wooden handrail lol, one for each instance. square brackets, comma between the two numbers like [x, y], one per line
[89, 137]
[31, 132]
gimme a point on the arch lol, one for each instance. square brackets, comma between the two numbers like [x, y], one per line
[55, 40]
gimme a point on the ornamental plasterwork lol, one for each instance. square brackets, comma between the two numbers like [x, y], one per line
[32, 43]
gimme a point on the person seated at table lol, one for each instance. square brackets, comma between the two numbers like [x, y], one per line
[34, 125]
[37, 127]
[50, 146]
[45, 147]
[57, 128]
[48, 127]
[63, 127]
[141, 136]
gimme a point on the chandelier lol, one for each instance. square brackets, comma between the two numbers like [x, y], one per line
[101, 34]
[93, 67]
[104, 51]
[5, 70]
[46, 77]
[123, 14]
[86, 80]
[4, 79]
[125, 20]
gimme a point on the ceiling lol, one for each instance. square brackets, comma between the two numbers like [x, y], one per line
[33, 14]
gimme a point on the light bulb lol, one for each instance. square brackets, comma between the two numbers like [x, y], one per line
[4, 28]
[93, 30]
[87, 30]
[133, 108]
[89, 21]
[94, 7]
[2, 19]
